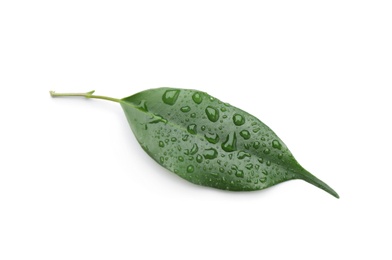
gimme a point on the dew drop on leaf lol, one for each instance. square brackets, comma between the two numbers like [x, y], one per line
[212, 114]
[212, 138]
[185, 109]
[230, 144]
[276, 144]
[190, 169]
[245, 134]
[142, 106]
[197, 97]
[161, 144]
[192, 129]
[194, 149]
[199, 158]
[241, 155]
[263, 179]
[210, 153]
[170, 96]
[157, 119]
[238, 119]
[268, 163]
[249, 166]
[239, 174]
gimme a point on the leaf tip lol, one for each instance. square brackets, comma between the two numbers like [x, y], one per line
[335, 194]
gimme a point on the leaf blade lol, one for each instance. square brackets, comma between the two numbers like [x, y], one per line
[211, 143]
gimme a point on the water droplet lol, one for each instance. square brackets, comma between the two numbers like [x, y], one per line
[212, 114]
[230, 144]
[223, 109]
[185, 109]
[241, 155]
[203, 127]
[197, 97]
[263, 179]
[185, 137]
[157, 119]
[192, 129]
[180, 158]
[221, 169]
[245, 134]
[256, 145]
[249, 166]
[268, 163]
[162, 159]
[256, 130]
[239, 174]
[161, 144]
[264, 172]
[194, 149]
[238, 119]
[266, 151]
[276, 144]
[193, 115]
[199, 158]
[210, 153]
[142, 106]
[190, 169]
[170, 96]
[173, 139]
[280, 156]
[260, 160]
[212, 138]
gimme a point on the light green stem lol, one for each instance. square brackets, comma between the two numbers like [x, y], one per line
[86, 95]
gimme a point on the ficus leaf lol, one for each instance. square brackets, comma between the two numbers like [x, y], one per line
[208, 142]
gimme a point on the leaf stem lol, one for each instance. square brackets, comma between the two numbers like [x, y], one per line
[86, 95]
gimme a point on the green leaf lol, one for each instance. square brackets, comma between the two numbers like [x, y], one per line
[208, 142]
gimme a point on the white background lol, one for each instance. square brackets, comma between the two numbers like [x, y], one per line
[75, 184]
